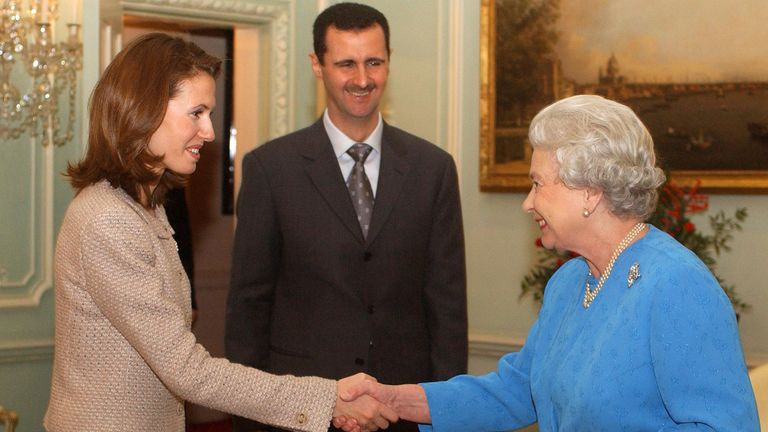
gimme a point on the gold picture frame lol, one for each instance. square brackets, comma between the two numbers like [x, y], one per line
[505, 171]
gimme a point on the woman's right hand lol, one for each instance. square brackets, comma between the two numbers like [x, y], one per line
[361, 413]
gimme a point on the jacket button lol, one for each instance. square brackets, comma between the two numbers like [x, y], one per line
[367, 256]
[371, 309]
[301, 418]
[359, 361]
[370, 344]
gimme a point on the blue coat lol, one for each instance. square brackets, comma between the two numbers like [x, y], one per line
[661, 355]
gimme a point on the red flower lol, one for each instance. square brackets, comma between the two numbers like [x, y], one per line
[689, 227]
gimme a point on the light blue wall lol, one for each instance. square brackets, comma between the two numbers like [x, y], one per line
[25, 361]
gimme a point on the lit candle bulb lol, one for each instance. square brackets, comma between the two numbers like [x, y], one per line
[75, 10]
[44, 12]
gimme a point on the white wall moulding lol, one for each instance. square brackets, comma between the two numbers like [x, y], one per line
[27, 264]
[493, 346]
[449, 64]
[26, 351]
[274, 15]
[39, 111]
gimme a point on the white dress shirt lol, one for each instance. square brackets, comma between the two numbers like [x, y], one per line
[341, 143]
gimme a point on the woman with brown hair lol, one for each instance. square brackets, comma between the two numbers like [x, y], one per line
[125, 357]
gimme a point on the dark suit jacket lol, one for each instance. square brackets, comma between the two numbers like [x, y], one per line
[310, 296]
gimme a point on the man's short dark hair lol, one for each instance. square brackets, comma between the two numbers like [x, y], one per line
[345, 17]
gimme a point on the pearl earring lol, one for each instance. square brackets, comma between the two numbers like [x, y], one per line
[585, 213]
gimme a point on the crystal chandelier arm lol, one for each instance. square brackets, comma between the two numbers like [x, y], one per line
[50, 67]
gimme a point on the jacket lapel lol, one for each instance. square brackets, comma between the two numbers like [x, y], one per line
[392, 174]
[323, 169]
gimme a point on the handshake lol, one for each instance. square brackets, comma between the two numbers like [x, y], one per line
[362, 404]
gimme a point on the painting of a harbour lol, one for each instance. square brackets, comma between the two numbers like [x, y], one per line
[718, 127]
[696, 73]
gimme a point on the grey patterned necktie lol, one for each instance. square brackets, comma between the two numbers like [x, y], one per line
[359, 187]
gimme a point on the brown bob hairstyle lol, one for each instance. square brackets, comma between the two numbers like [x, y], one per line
[127, 106]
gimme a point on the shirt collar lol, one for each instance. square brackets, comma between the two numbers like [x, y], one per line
[341, 142]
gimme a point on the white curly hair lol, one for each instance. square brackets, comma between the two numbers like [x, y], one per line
[601, 144]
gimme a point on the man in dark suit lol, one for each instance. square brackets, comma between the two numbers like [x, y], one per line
[349, 249]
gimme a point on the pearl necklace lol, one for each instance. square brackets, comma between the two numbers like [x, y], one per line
[589, 293]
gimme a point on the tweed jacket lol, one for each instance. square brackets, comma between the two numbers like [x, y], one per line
[124, 357]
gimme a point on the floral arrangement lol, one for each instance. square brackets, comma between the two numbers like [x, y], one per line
[672, 215]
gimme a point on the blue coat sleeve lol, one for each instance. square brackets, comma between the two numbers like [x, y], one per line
[500, 400]
[697, 357]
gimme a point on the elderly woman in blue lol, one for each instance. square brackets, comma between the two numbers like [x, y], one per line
[634, 335]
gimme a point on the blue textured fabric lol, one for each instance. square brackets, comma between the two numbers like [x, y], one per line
[663, 355]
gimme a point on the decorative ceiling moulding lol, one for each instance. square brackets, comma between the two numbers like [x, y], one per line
[277, 14]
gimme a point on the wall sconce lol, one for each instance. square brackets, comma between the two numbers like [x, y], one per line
[26, 39]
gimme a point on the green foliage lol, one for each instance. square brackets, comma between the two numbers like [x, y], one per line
[549, 261]
[672, 215]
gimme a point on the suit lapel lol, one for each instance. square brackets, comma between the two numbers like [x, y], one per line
[392, 174]
[323, 168]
